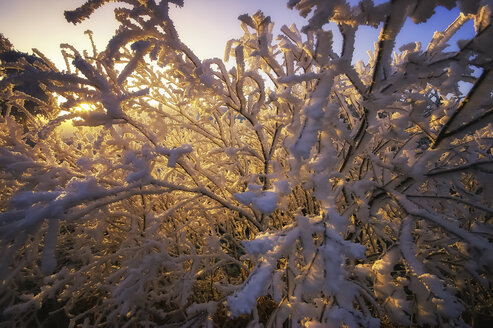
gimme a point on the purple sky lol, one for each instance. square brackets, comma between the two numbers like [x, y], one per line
[204, 25]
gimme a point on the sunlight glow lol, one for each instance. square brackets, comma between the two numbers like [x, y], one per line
[84, 107]
[67, 127]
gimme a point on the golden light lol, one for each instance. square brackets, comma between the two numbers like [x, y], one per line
[81, 108]
[67, 127]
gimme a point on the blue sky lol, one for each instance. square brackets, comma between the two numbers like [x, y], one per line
[219, 24]
[205, 25]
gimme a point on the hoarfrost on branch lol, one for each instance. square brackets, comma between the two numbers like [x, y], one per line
[192, 193]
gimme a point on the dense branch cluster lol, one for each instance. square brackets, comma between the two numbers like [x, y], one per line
[143, 186]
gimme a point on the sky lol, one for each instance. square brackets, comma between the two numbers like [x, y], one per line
[204, 25]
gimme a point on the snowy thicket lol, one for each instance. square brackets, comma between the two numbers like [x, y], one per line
[143, 186]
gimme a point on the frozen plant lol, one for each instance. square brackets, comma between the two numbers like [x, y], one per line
[160, 189]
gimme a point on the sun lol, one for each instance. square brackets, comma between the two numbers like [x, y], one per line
[79, 109]
[71, 115]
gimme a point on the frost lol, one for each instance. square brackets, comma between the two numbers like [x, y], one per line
[175, 153]
[292, 79]
[335, 194]
[265, 201]
[282, 187]
[261, 244]
[48, 261]
[246, 197]
[243, 301]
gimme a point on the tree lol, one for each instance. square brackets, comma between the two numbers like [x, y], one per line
[29, 108]
[329, 193]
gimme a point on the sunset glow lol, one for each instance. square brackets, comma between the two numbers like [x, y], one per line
[47, 28]
[237, 163]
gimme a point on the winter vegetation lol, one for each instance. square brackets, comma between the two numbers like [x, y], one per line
[144, 187]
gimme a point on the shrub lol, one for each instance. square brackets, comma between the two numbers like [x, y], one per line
[186, 193]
